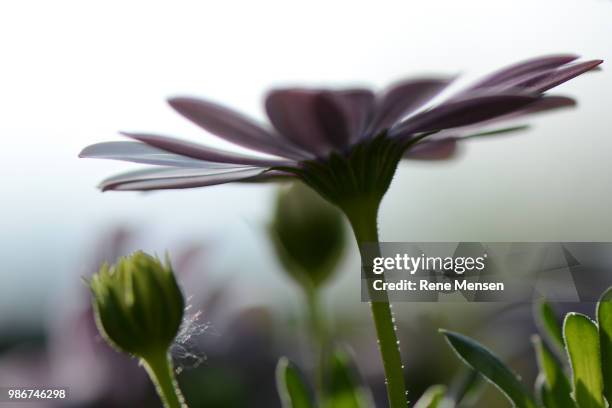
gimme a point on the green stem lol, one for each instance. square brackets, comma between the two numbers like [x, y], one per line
[159, 368]
[319, 340]
[364, 224]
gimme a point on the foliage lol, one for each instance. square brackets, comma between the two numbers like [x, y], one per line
[587, 345]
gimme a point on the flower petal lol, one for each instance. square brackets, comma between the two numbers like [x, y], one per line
[522, 68]
[357, 105]
[441, 149]
[542, 81]
[270, 176]
[542, 104]
[403, 98]
[233, 126]
[143, 153]
[201, 152]
[312, 119]
[457, 113]
[333, 120]
[173, 178]
[562, 75]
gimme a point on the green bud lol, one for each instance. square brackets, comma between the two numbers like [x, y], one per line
[138, 304]
[308, 234]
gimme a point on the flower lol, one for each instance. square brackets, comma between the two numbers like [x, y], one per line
[344, 144]
[308, 235]
[138, 305]
[313, 128]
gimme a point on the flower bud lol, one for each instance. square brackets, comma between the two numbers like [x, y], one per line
[308, 234]
[138, 304]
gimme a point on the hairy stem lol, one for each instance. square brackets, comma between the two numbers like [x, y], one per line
[159, 368]
[365, 228]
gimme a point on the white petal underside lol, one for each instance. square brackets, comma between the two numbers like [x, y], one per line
[173, 178]
[138, 152]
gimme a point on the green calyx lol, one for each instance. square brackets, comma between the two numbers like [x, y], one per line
[138, 304]
[358, 178]
[308, 235]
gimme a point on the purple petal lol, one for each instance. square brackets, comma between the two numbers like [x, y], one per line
[522, 68]
[542, 81]
[357, 105]
[173, 178]
[233, 126]
[271, 175]
[562, 75]
[333, 122]
[311, 119]
[463, 112]
[441, 149]
[403, 98]
[200, 152]
[524, 81]
[542, 104]
[143, 153]
[545, 104]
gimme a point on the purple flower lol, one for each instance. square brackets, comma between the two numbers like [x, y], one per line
[310, 126]
[346, 145]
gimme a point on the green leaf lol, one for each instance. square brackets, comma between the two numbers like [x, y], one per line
[491, 367]
[498, 131]
[543, 394]
[344, 388]
[582, 340]
[557, 390]
[433, 397]
[466, 388]
[604, 319]
[549, 324]
[290, 385]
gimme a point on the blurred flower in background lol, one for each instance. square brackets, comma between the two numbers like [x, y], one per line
[309, 237]
[214, 360]
[308, 234]
[73, 347]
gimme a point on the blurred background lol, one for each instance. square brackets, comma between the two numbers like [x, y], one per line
[74, 73]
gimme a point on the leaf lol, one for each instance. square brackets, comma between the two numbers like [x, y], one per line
[466, 388]
[582, 340]
[497, 131]
[549, 325]
[543, 393]
[433, 397]
[604, 319]
[557, 390]
[491, 367]
[344, 388]
[292, 391]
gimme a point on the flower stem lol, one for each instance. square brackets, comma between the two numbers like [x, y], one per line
[364, 224]
[319, 340]
[159, 368]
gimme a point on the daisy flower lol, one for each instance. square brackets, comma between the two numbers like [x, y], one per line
[344, 143]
